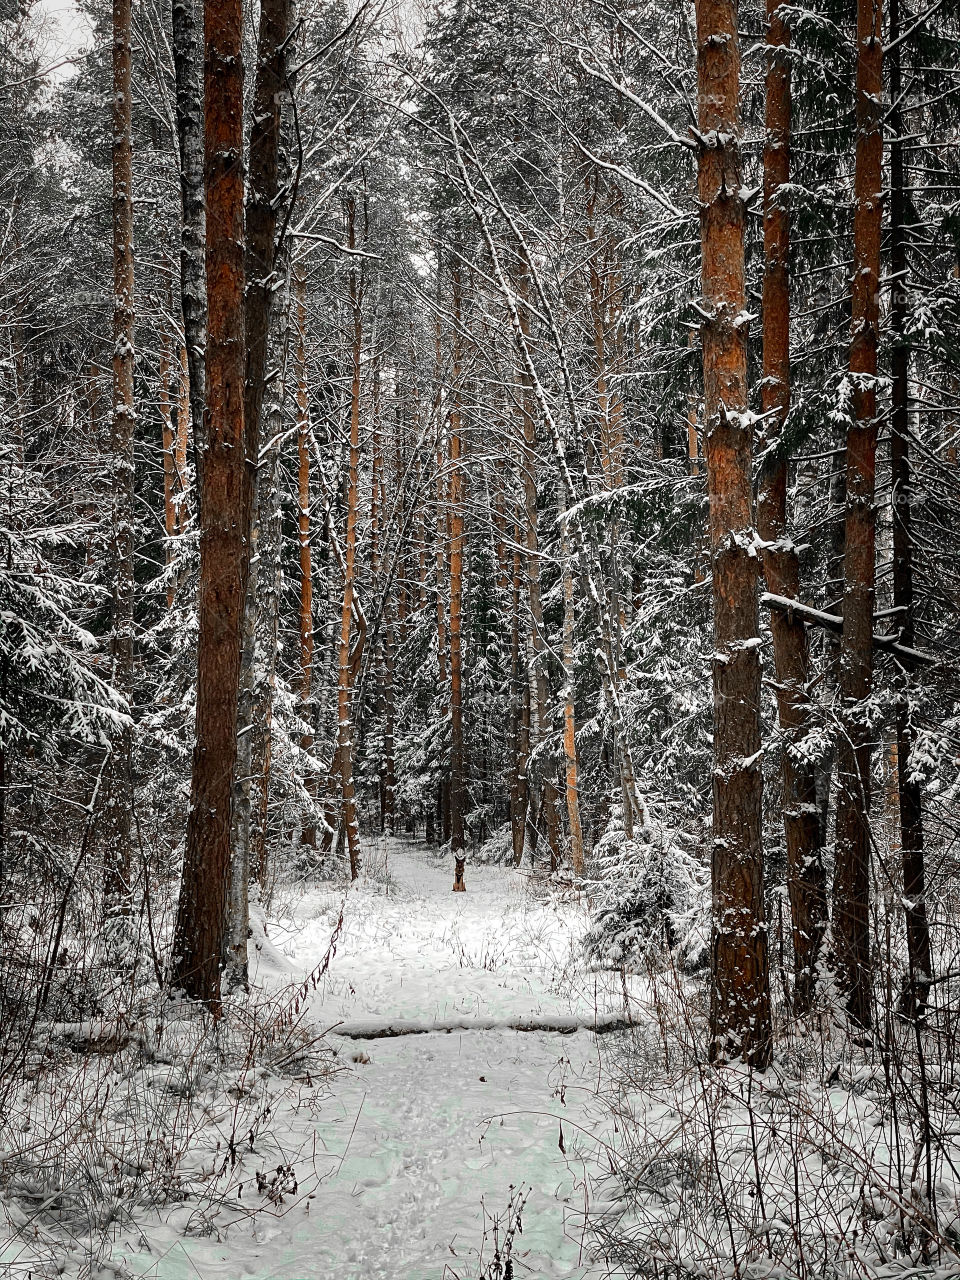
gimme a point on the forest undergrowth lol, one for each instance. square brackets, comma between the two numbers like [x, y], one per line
[839, 1160]
[123, 1108]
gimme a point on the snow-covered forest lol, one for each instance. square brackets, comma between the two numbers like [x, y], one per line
[479, 647]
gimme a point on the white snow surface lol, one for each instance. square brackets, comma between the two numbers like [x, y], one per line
[418, 1143]
[408, 1155]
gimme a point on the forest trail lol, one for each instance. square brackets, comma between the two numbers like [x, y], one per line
[406, 1162]
[423, 1136]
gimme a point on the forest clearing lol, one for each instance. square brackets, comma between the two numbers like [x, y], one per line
[479, 601]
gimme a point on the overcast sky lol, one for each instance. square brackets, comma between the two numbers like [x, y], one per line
[64, 32]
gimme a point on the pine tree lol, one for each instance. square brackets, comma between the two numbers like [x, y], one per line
[224, 521]
[851, 886]
[740, 995]
[781, 563]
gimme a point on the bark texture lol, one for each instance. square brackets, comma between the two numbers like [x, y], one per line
[740, 995]
[781, 564]
[174, 418]
[851, 884]
[200, 930]
[263, 200]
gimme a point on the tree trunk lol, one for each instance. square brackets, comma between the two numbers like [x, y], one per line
[457, 498]
[569, 718]
[914, 999]
[169, 443]
[308, 836]
[781, 565]
[520, 706]
[175, 418]
[693, 462]
[200, 931]
[389, 813]
[262, 209]
[344, 673]
[740, 992]
[268, 619]
[540, 692]
[188, 72]
[851, 884]
[120, 803]
[181, 438]
[693, 438]
[260, 289]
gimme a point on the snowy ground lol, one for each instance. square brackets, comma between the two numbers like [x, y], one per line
[405, 1162]
[431, 1132]
[394, 1150]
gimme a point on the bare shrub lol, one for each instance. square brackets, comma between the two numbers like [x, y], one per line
[839, 1162]
[112, 1119]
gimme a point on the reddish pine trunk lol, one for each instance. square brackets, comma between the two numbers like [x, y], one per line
[851, 884]
[225, 517]
[740, 995]
[693, 438]
[181, 437]
[781, 564]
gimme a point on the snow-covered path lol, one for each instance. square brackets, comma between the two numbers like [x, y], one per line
[418, 1145]
[429, 1133]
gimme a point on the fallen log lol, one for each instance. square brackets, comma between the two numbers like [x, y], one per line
[375, 1029]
